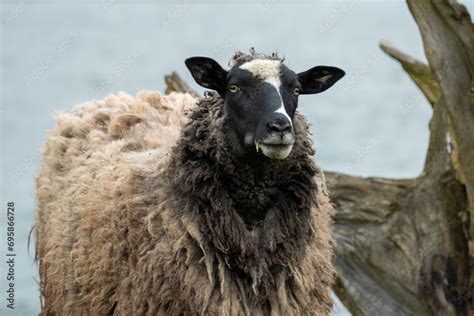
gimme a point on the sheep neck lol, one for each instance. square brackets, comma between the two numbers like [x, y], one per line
[257, 215]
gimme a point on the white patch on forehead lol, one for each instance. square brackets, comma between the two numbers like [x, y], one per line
[263, 68]
[269, 71]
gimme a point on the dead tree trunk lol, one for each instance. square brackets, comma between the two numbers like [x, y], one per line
[406, 247]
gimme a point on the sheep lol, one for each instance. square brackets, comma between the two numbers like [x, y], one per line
[173, 205]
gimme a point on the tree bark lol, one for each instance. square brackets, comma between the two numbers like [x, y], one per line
[405, 246]
[407, 249]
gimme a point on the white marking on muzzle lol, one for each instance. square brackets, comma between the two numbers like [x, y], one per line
[269, 71]
[276, 83]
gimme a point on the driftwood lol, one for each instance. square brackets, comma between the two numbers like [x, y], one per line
[174, 83]
[406, 247]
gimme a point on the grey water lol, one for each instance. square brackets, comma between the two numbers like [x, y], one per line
[55, 54]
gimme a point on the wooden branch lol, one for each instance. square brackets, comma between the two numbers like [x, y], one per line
[448, 38]
[174, 83]
[437, 156]
[419, 72]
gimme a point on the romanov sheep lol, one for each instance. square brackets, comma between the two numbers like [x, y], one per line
[168, 205]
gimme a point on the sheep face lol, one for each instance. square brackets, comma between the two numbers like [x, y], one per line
[261, 97]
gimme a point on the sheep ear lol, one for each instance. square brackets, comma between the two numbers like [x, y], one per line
[207, 73]
[319, 78]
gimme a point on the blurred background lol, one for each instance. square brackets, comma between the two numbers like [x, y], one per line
[55, 54]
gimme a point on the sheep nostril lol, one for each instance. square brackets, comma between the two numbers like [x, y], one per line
[279, 126]
[286, 128]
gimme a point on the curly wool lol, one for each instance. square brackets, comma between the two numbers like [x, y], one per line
[240, 57]
[140, 212]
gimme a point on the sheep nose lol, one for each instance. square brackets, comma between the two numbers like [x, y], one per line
[279, 125]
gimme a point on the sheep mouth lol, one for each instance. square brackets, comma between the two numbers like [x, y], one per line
[275, 151]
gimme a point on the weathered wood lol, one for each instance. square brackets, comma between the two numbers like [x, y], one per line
[419, 72]
[175, 84]
[417, 260]
[448, 38]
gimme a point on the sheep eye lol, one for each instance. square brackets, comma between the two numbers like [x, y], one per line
[296, 91]
[234, 88]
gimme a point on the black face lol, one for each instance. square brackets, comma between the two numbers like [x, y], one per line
[261, 97]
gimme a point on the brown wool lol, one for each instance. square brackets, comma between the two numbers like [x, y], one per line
[144, 210]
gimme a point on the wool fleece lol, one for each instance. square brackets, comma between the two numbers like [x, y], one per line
[143, 209]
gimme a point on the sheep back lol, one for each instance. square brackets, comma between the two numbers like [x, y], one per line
[87, 159]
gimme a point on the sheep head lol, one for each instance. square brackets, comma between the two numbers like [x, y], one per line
[260, 97]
